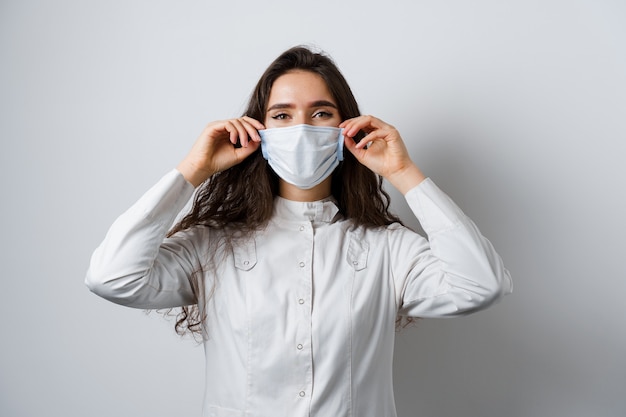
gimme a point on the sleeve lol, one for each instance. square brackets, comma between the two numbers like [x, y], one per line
[136, 265]
[457, 272]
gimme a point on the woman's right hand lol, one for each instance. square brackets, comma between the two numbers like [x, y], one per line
[215, 149]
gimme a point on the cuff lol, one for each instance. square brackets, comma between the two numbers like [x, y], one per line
[434, 209]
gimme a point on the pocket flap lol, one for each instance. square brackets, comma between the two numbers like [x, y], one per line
[358, 251]
[244, 253]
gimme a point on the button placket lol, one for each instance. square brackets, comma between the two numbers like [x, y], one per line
[303, 296]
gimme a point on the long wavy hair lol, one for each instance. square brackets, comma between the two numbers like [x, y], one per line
[241, 198]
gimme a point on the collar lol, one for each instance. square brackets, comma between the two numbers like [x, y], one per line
[323, 211]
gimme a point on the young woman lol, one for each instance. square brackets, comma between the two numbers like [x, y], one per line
[289, 263]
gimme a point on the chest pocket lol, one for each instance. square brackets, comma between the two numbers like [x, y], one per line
[244, 254]
[358, 251]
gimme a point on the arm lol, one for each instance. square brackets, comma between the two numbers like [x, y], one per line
[457, 271]
[136, 265]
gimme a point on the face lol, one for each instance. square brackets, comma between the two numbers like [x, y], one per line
[301, 97]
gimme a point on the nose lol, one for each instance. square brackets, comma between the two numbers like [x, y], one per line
[300, 118]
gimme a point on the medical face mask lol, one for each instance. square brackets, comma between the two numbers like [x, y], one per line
[303, 155]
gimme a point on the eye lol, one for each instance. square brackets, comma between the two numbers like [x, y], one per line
[280, 116]
[322, 114]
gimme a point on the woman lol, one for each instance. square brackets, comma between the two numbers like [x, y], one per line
[295, 277]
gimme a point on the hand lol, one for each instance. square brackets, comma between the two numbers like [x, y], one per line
[383, 151]
[215, 149]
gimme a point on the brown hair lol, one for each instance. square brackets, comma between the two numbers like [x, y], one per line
[242, 197]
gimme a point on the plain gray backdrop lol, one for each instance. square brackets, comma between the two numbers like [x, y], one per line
[517, 109]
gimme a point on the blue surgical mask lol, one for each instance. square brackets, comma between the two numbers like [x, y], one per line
[303, 155]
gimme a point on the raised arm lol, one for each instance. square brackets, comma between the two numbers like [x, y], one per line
[457, 271]
[136, 265]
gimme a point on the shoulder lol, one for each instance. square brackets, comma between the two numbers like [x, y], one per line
[381, 234]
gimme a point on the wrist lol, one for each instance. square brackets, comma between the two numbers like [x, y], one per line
[192, 173]
[407, 178]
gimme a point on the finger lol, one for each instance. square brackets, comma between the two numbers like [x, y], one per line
[365, 123]
[254, 122]
[378, 134]
[349, 123]
[350, 127]
[252, 126]
[351, 145]
[233, 133]
[244, 152]
[242, 133]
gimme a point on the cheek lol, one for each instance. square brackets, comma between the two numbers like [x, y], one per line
[335, 121]
[270, 123]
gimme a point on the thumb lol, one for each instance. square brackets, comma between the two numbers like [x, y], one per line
[245, 151]
[350, 144]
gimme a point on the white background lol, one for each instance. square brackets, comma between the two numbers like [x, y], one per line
[515, 108]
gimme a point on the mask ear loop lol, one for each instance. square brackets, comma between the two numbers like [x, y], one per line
[263, 145]
[340, 145]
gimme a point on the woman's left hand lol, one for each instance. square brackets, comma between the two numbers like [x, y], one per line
[383, 151]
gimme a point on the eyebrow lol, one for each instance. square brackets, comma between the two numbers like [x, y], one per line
[318, 103]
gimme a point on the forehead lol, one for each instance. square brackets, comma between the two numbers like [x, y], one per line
[299, 85]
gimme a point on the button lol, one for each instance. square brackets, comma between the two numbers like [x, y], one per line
[301, 301]
[302, 264]
[302, 393]
[246, 262]
[301, 228]
[300, 347]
